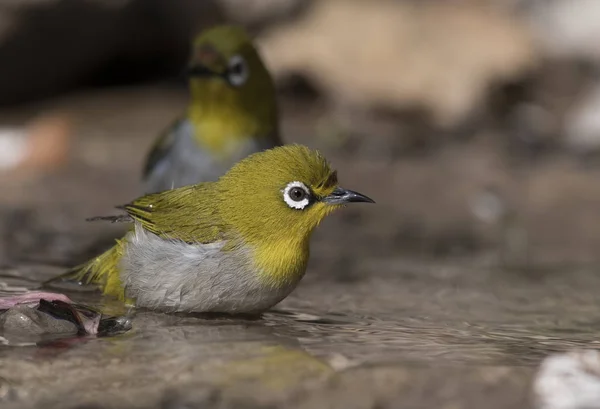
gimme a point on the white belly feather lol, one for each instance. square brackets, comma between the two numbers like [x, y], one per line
[171, 275]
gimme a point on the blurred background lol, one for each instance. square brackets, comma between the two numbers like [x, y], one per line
[474, 124]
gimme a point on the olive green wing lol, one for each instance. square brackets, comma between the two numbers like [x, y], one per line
[187, 213]
[162, 146]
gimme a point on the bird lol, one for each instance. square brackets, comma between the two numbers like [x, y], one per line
[238, 245]
[232, 113]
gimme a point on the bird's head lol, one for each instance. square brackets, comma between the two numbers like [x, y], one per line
[229, 83]
[281, 195]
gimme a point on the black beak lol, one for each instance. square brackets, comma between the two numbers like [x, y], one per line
[341, 196]
[200, 71]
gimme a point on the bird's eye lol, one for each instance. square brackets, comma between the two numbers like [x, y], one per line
[296, 195]
[237, 71]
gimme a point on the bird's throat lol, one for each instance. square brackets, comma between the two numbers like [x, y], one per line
[221, 124]
[220, 136]
[282, 263]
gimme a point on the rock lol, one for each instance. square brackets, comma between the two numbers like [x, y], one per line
[569, 381]
[42, 145]
[401, 55]
[567, 28]
[13, 147]
[582, 124]
[24, 321]
[49, 140]
[27, 317]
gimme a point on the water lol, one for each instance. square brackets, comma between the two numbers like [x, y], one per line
[419, 315]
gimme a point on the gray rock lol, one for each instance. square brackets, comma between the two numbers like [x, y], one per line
[569, 381]
[567, 28]
[582, 124]
[23, 320]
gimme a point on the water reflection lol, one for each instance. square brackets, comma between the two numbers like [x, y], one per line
[402, 341]
[163, 350]
[450, 315]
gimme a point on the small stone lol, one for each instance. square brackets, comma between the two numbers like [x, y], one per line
[569, 381]
[582, 127]
[23, 320]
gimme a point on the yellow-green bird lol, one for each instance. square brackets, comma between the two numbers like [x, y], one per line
[237, 245]
[232, 113]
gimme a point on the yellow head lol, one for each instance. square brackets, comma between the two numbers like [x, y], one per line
[274, 199]
[233, 95]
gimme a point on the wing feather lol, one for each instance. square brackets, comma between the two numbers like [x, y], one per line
[188, 213]
[162, 146]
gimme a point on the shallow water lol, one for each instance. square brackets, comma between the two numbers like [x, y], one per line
[418, 315]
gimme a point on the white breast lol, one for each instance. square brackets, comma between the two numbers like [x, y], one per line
[171, 275]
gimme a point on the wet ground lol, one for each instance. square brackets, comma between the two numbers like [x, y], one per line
[414, 302]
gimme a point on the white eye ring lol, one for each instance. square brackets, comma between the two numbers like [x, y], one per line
[237, 71]
[295, 203]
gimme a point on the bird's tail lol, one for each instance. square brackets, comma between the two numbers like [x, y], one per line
[101, 271]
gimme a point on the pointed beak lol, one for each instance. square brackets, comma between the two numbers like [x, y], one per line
[342, 196]
[199, 70]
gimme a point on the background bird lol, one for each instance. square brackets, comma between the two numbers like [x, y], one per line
[238, 245]
[232, 113]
